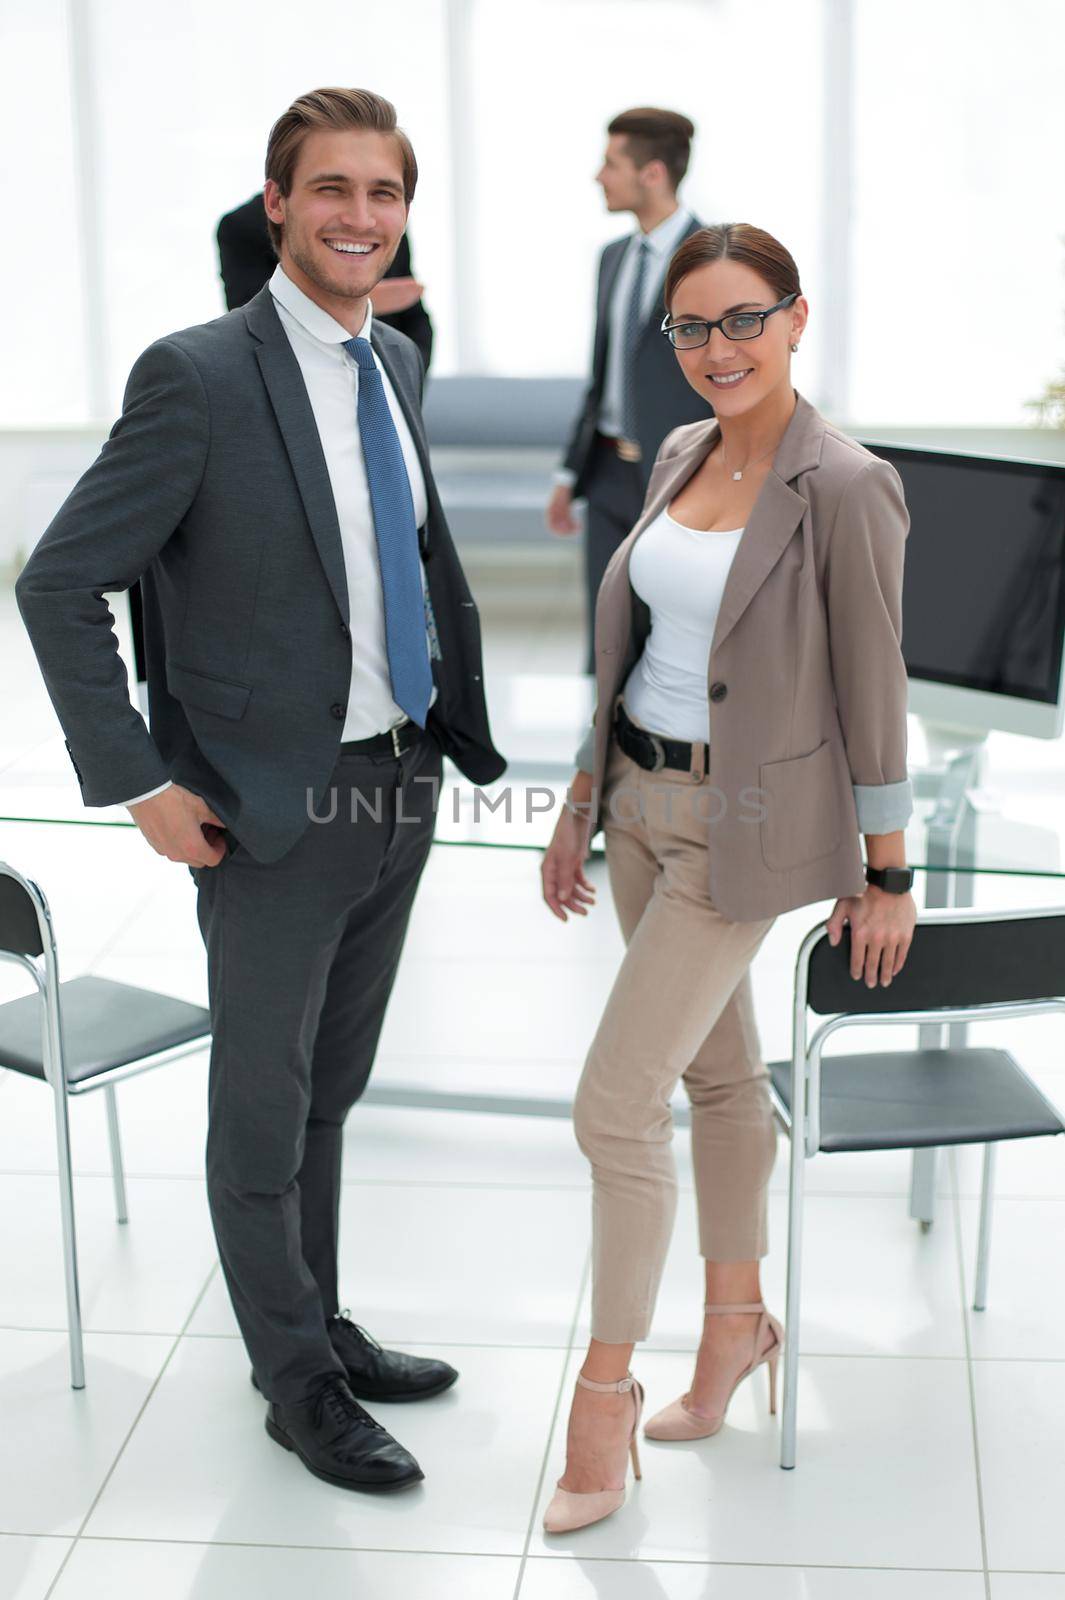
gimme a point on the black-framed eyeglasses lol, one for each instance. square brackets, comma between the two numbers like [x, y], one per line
[691, 332]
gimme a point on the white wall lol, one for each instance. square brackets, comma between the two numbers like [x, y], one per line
[130, 125]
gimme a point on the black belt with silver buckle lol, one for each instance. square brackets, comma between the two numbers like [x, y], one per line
[650, 750]
[392, 743]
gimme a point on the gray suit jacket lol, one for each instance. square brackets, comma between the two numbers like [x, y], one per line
[806, 677]
[213, 491]
[664, 397]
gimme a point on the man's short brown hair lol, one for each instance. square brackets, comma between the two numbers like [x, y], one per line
[656, 135]
[331, 108]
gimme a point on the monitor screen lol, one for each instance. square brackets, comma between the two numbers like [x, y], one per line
[984, 587]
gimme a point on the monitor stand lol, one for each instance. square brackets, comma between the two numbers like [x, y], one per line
[957, 761]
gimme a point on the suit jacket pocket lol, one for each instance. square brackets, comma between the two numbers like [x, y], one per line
[224, 697]
[802, 814]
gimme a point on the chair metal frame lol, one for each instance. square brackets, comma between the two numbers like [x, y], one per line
[805, 1114]
[44, 971]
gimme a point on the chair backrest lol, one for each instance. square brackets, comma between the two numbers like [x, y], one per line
[968, 959]
[20, 929]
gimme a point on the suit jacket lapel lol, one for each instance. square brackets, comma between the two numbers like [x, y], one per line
[774, 517]
[612, 266]
[295, 418]
[776, 514]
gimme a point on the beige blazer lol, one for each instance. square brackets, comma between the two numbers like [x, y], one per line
[806, 679]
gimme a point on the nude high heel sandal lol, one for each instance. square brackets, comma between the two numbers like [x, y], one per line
[678, 1421]
[568, 1510]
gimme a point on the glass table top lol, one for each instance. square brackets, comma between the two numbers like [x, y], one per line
[1013, 821]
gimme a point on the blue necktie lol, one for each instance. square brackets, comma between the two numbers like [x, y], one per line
[633, 327]
[397, 540]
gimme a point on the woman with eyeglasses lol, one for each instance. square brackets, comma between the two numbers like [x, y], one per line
[751, 725]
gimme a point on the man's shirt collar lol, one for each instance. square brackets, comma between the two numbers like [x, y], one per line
[664, 238]
[310, 316]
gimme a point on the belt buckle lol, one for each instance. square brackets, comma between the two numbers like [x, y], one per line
[660, 753]
[397, 749]
[629, 450]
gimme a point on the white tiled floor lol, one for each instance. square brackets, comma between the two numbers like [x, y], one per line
[931, 1465]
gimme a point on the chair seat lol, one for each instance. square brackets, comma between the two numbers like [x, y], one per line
[898, 1100]
[105, 1025]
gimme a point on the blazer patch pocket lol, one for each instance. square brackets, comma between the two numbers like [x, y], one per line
[802, 815]
[224, 697]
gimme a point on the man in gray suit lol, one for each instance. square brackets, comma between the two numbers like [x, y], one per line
[312, 650]
[637, 392]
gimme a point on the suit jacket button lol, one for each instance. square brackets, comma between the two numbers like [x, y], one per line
[718, 691]
[345, 630]
[339, 711]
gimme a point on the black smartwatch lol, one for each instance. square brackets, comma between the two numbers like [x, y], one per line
[893, 880]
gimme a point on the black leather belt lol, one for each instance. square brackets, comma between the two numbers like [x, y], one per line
[650, 750]
[392, 743]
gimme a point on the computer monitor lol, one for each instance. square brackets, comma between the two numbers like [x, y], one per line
[983, 616]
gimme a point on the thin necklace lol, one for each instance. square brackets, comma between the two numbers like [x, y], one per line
[736, 476]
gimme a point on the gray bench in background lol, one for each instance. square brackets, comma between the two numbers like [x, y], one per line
[495, 444]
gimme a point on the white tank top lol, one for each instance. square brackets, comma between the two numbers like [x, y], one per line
[680, 572]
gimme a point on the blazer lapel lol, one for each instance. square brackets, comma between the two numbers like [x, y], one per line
[292, 408]
[774, 517]
[612, 259]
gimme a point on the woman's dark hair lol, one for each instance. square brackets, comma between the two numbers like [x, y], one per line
[735, 241]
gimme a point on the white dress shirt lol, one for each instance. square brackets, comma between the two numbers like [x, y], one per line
[332, 379]
[662, 242]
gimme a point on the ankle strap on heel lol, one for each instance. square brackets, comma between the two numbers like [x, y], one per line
[622, 1386]
[726, 1306]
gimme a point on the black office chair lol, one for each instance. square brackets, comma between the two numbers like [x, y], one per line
[963, 966]
[86, 1034]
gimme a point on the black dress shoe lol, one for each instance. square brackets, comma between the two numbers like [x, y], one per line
[385, 1375]
[338, 1441]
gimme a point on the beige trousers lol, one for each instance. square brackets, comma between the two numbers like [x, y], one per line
[680, 1007]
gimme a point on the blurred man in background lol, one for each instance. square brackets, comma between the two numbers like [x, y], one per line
[637, 392]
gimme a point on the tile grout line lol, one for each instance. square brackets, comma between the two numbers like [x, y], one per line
[484, 1555]
[473, 1344]
[130, 1432]
[518, 1188]
[969, 1372]
[574, 1325]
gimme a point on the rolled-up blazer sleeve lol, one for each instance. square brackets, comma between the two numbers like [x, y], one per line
[863, 593]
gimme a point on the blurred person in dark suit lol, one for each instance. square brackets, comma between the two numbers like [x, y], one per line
[636, 393]
[247, 261]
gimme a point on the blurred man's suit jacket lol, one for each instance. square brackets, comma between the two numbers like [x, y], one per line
[664, 398]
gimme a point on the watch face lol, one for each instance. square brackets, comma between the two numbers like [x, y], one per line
[896, 880]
